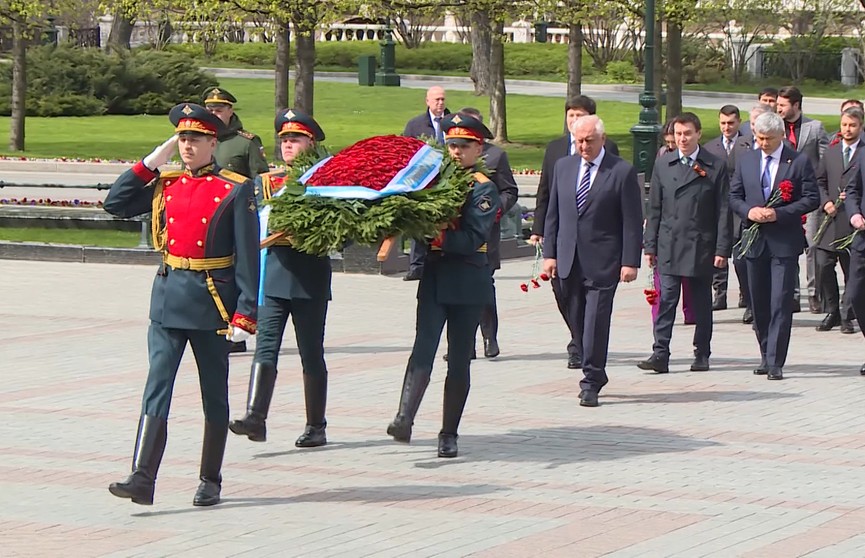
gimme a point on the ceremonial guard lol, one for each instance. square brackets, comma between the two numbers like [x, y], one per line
[455, 287]
[238, 150]
[205, 224]
[294, 284]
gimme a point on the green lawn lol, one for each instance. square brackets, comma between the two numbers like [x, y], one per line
[78, 237]
[347, 113]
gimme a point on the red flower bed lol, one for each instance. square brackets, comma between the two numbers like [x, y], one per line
[362, 163]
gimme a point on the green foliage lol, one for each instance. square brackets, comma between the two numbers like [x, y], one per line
[702, 62]
[622, 71]
[69, 81]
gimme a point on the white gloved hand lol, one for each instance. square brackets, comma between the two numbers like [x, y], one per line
[238, 335]
[162, 154]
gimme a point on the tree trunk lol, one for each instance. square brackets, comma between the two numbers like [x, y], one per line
[121, 31]
[575, 59]
[19, 87]
[282, 64]
[304, 73]
[674, 69]
[481, 49]
[498, 112]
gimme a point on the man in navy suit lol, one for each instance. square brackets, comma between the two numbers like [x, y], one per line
[773, 257]
[427, 124]
[854, 203]
[592, 240]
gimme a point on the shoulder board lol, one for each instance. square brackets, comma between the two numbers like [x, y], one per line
[232, 176]
[481, 177]
[170, 174]
[245, 134]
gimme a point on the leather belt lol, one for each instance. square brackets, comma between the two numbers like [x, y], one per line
[482, 249]
[197, 264]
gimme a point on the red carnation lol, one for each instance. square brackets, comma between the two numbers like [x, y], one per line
[372, 162]
[786, 189]
[535, 284]
[524, 287]
[804, 218]
[544, 277]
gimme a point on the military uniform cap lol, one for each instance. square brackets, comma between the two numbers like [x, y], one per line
[189, 117]
[459, 128]
[218, 96]
[293, 121]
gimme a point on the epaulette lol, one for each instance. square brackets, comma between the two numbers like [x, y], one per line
[245, 134]
[170, 174]
[232, 176]
[481, 177]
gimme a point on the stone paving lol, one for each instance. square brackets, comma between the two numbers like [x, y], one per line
[719, 463]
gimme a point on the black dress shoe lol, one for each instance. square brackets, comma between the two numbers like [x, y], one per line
[312, 437]
[700, 364]
[655, 363]
[413, 275]
[748, 316]
[814, 305]
[741, 303]
[775, 374]
[237, 347]
[829, 322]
[207, 493]
[720, 303]
[588, 398]
[575, 362]
[448, 445]
[847, 327]
[862, 370]
[491, 348]
[761, 370]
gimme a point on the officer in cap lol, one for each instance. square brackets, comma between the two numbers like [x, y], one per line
[204, 222]
[295, 284]
[455, 287]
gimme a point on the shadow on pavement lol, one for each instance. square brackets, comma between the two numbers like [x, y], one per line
[331, 446]
[554, 447]
[693, 396]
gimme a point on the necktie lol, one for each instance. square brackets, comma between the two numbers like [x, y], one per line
[686, 160]
[767, 179]
[728, 145]
[791, 133]
[440, 138]
[585, 184]
[846, 156]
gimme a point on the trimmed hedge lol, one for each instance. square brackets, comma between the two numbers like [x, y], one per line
[69, 81]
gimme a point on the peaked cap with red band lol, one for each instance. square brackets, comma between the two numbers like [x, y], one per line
[189, 117]
[459, 128]
[294, 121]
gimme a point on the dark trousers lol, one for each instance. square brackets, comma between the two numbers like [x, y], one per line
[308, 317]
[701, 302]
[742, 275]
[827, 278]
[590, 308]
[720, 280]
[772, 280]
[575, 345]
[856, 286]
[490, 316]
[165, 348]
[417, 254]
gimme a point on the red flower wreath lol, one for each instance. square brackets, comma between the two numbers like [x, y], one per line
[362, 163]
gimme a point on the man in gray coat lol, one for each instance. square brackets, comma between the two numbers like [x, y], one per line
[688, 230]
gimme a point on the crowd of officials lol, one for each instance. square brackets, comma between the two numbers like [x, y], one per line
[765, 191]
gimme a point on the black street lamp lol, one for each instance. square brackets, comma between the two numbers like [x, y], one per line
[646, 132]
[387, 73]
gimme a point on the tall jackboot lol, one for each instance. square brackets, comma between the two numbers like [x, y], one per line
[455, 396]
[315, 396]
[490, 330]
[262, 379]
[212, 452]
[149, 447]
[413, 388]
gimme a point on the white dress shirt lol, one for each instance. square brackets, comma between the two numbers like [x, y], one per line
[773, 164]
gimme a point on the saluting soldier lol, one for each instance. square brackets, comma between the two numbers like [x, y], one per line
[238, 150]
[455, 287]
[205, 224]
[294, 284]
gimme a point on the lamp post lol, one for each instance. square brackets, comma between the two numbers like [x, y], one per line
[647, 130]
[387, 73]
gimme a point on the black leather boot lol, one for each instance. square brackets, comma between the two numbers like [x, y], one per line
[212, 452]
[262, 379]
[413, 388]
[448, 445]
[455, 396]
[489, 330]
[149, 447]
[315, 395]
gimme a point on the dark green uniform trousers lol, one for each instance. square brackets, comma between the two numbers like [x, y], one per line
[307, 316]
[165, 348]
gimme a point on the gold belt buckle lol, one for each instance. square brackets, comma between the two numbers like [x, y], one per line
[184, 263]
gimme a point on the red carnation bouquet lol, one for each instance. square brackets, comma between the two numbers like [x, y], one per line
[378, 188]
[537, 274]
[783, 194]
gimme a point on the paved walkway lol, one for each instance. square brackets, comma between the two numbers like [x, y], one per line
[719, 463]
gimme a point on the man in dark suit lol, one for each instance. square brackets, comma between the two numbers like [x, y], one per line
[766, 96]
[726, 147]
[593, 237]
[496, 160]
[296, 285]
[836, 137]
[854, 204]
[427, 124]
[687, 235]
[564, 146]
[837, 167]
[772, 258]
[809, 138]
